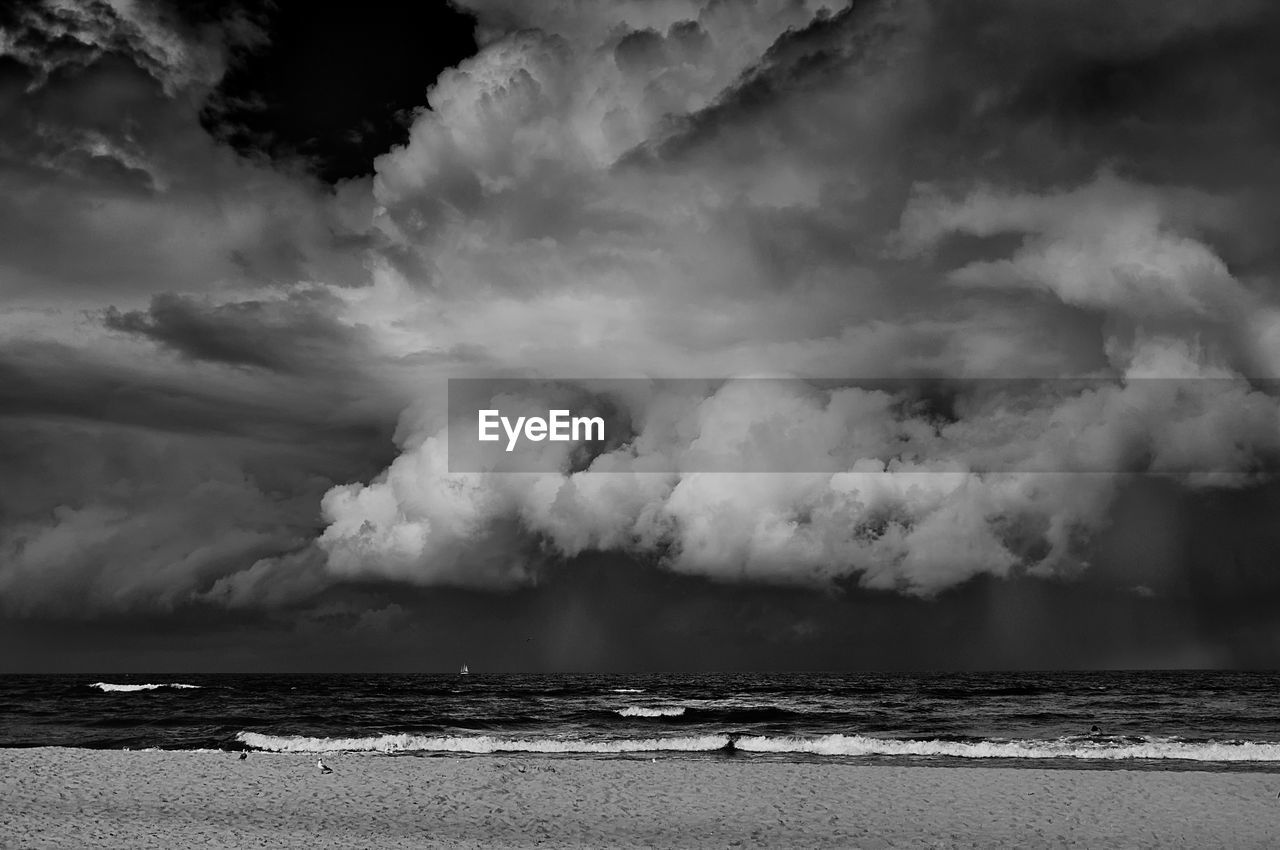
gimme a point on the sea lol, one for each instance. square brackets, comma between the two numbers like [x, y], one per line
[1107, 720]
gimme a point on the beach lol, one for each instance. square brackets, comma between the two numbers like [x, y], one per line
[63, 797]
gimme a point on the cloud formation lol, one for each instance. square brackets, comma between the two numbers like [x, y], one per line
[821, 192]
[888, 189]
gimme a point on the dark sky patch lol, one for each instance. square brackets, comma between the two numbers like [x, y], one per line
[336, 83]
[602, 614]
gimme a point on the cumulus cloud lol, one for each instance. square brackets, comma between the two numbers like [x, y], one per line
[820, 204]
[51, 36]
[895, 189]
[1108, 245]
[893, 497]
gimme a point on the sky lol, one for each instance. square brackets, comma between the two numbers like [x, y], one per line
[245, 245]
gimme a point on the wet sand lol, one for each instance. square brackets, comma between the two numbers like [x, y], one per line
[52, 797]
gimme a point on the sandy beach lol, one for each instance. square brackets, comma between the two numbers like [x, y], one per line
[81, 798]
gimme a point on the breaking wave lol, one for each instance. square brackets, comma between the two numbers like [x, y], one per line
[719, 713]
[477, 744]
[826, 745]
[858, 745]
[641, 711]
[112, 688]
[628, 690]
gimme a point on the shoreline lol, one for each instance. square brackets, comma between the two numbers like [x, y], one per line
[1062, 763]
[58, 797]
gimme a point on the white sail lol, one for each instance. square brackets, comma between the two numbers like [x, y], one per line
[464, 671]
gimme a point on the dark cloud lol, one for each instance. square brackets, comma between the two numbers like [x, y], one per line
[103, 517]
[59, 381]
[109, 180]
[294, 334]
[1038, 93]
[224, 347]
[600, 614]
[52, 37]
[132, 486]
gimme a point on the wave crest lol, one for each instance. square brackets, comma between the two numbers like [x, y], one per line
[858, 745]
[826, 745]
[476, 744]
[113, 688]
[641, 711]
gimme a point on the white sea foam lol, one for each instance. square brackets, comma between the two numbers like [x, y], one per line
[858, 745]
[628, 690]
[477, 744]
[109, 687]
[827, 745]
[740, 704]
[641, 711]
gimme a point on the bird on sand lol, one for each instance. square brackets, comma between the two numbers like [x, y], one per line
[323, 767]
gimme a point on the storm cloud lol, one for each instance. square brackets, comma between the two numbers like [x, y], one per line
[835, 205]
[224, 375]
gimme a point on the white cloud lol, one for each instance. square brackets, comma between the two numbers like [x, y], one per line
[552, 248]
[1109, 245]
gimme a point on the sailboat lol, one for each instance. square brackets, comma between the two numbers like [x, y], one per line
[464, 671]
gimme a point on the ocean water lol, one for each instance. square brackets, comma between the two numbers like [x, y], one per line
[1145, 720]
